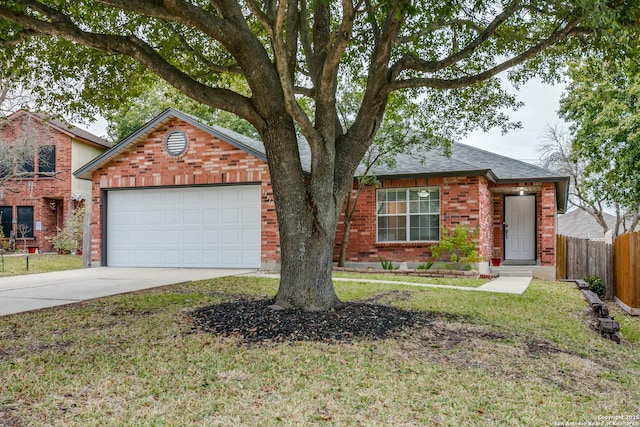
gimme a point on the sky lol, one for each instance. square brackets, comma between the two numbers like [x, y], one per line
[539, 112]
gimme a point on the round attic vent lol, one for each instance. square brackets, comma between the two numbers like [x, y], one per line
[175, 143]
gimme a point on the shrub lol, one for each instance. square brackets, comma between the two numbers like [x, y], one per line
[459, 243]
[386, 264]
[70, 238]
[596, 285]
[425, 265]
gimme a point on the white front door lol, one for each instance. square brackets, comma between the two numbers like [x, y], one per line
[520, 227]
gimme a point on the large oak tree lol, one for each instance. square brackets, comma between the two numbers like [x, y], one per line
[296, 59]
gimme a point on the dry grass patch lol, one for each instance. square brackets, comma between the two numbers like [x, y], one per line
[483, 360]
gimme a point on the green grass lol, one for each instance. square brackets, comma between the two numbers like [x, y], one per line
[490, 359]
[467, 282]
[14, 265]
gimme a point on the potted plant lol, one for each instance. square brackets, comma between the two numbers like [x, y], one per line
[496, 259]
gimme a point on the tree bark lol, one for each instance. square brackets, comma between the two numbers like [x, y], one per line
[307, 220]
[346, 229]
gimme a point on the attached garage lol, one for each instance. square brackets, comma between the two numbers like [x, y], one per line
[197, 226]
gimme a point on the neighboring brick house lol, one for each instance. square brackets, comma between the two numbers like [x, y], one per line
[44, 196]
[181, 193]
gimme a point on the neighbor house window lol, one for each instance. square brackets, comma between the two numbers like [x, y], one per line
[25, 221]
[47, 160]
[6, 218]
[26, 168]
[408, 214]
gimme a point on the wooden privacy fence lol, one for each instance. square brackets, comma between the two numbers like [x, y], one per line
[618, 265]
[576, 258]
[626, 267]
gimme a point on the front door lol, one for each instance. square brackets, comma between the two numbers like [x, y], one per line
[520, 227]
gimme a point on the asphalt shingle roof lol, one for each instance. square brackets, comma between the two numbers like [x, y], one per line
[579, 223]
[466, 159]
[463, 160]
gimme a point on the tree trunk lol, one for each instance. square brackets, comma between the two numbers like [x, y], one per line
[305, 276]
[346, 229]
[308, 209]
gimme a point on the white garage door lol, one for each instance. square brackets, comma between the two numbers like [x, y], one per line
[184, 227]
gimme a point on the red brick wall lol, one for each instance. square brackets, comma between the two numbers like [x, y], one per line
[206, 161]
[547, 225]
[463, 200]
[40, 192]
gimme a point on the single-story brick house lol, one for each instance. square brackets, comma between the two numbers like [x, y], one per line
[181, 193]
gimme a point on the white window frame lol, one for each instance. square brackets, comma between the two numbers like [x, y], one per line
[408, 214]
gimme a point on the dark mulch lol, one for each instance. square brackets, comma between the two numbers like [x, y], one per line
[254, 321]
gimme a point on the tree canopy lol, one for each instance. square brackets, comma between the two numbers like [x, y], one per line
[287, 66]
[587, 192]
[602, 104]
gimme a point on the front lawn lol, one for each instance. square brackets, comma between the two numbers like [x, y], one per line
[14, 265]
[467, 281]
[486, 359]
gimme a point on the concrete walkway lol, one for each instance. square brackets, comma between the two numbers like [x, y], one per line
[503, 285]
[36, 291]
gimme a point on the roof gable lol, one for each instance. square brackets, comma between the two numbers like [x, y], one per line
[249, 145]
[72, 131]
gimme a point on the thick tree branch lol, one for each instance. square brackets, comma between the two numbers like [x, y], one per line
[286, 79]
[217, 68]
[413, 63]
[135, 48]
[436, 83]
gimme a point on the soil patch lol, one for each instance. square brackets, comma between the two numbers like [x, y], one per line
[253, 321]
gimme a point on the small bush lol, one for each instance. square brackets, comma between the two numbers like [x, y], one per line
[386, 264]
[459, 243]
[70, 238]
[596, 285]
[425, 265]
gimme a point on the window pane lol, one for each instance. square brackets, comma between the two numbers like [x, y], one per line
[26, 166]
[425, 227]
[47, 160]
[392, 228]
[25, 221]
[6, 217]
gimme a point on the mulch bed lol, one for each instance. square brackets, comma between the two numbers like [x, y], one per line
[254, 321]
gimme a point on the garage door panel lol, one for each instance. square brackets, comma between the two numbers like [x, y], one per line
[211, 216]
[173, 216]
[191, 216]
[231, 216]
[211, 237]
[250, 237]
[173, 237]
[194, 237]
[184, 227]
[230, 237]
[155, 217]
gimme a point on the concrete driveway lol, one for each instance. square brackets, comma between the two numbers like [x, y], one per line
[35, 291]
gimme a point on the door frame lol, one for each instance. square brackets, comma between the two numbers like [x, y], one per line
[535, 227]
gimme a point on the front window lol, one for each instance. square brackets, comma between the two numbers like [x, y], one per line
[47, 160]
[6, 219]
[408, 214]
[25, 221]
